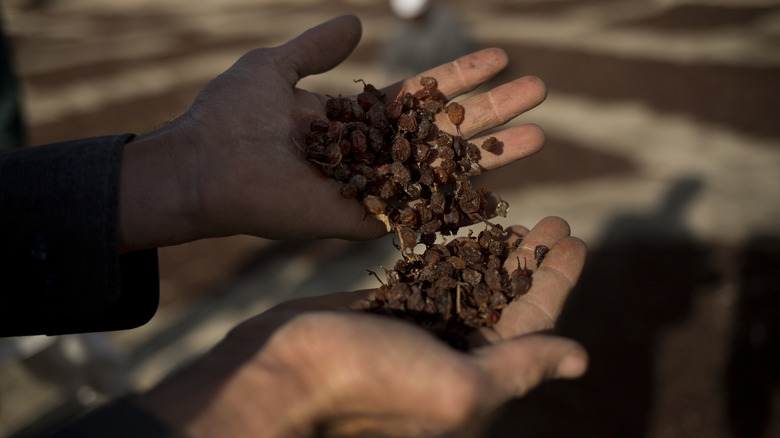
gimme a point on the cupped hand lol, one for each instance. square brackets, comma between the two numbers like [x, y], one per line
[237, 151]
[317, 366]
[554, 276]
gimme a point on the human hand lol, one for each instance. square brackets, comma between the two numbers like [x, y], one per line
[233, 162]
[316, 366]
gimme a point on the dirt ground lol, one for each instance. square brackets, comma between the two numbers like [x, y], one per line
[663, 153]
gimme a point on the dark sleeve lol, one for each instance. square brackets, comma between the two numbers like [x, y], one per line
[121, 419]
[60, 269]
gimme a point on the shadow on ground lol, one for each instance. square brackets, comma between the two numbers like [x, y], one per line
[638, 283]
[753, 370]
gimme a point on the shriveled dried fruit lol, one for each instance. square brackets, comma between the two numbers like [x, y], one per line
[452, 218]
[471, 201]
[472, 152]
[408, 217]
[490, 144]
[457, 262]
[407, 123]
[333, 108]
[388, 190]
[408, 237]
[443, 139]
[431, 226]
[429, 82]
[519, 284]
[394, 109]
[427, 239]
[502, 208]
[374, 205]
[401, 149]
[416, 178]
[446, 153]
[539, 253]
[472, 276]
[449, 166]
[424, 127]
[455, 113]
[401, 173]
[440, 176]
[437, 203]
[359, 141]
[319, 126]
[493, 279]
[413, 189]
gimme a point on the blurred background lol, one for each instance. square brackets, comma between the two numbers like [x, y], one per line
[663, 153]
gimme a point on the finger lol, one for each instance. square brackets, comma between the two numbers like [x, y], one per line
[547, 232]
[320, 48]
[497, 106]
[516, 366]
[459, 76]
[340, 301]
[513, 144]
[492, 200]
[539, 309]
[554, 279]
[524, 315]
[514, 233]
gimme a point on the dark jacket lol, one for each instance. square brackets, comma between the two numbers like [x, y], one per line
[60, 268]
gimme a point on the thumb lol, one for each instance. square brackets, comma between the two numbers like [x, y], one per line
[320, 48]
[518, 365]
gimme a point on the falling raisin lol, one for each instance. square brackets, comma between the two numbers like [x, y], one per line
[470, 201]
[390, 156]
[431, 227]
[502, 208]
[408, 237]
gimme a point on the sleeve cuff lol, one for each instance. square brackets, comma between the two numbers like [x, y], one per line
[62, 272]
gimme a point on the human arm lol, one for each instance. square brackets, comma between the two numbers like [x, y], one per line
[59, 257]
[320, 365]
[231, 164]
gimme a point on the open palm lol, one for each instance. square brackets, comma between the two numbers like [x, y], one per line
[248, 124]
[374, 373]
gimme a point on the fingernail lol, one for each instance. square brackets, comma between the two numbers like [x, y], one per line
[572, 365]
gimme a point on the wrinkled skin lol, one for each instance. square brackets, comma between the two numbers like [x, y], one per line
[320, 366]
[232, 163]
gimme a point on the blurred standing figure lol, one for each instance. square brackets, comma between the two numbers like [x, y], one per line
[426, 34]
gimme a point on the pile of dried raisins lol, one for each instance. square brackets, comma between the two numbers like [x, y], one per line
[416, 178]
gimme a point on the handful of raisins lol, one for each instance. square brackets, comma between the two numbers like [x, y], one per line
[416, 178]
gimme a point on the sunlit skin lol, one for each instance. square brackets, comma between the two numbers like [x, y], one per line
[230, 165]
